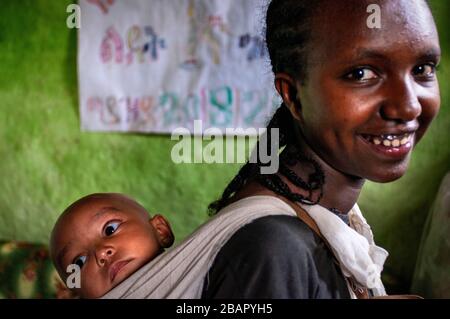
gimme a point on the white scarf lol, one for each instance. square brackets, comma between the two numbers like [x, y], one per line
[180, 272]
[354, 247]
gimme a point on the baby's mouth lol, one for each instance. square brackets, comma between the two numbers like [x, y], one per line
[116, 268]
[389, 140]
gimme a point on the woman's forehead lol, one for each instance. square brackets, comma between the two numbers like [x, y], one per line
[403, 10]
[344, 28]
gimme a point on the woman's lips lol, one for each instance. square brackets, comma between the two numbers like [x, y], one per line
[394, 146]
[116, 268]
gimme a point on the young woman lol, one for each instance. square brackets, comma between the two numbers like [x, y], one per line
[357, 97]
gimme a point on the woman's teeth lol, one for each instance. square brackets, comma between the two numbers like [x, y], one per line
[389, 140]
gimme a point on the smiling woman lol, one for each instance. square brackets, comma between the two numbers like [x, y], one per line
[356, 101]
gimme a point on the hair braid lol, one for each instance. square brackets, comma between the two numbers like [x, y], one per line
[250, 170]
[288, 30]
[244, 174]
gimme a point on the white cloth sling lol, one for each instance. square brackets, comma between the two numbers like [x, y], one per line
[353, 246]
[180, 272]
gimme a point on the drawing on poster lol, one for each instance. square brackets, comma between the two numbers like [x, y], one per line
[153, 66]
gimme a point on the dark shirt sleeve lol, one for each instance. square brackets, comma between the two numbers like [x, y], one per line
[275, 257]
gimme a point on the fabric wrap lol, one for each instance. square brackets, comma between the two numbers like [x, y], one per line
[181, 271]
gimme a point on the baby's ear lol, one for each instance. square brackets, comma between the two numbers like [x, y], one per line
[163, 231]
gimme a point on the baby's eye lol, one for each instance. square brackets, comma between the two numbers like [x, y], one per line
[361, 74]
[110, 228]
[424, 70]
[80, 261]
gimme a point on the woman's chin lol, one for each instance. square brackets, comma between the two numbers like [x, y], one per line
[387, 176]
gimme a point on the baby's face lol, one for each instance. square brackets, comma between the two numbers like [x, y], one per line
[109, 238]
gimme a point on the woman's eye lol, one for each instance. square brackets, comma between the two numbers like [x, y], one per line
[424, 70]
[80, 261]
[361, 74]
[111, 227]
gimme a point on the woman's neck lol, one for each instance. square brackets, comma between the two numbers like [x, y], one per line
[340, 191]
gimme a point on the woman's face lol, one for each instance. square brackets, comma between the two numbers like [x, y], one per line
[370, 94]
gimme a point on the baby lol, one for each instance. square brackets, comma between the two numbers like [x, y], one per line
[109, 236]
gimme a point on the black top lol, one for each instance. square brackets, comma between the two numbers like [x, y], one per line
[275, 257]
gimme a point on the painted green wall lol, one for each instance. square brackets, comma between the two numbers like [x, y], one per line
[46, 162]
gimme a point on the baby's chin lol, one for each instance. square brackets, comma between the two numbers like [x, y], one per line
[94, 292]
[88, 294]
[130, 268]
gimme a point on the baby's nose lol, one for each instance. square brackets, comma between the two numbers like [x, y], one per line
[105, 254]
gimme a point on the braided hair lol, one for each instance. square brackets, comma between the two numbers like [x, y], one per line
[288, 31]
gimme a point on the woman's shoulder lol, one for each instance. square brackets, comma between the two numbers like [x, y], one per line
[275, 235]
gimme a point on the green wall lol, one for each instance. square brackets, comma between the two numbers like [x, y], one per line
[46, 162]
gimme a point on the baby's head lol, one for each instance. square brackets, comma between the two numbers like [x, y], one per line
[109, 236]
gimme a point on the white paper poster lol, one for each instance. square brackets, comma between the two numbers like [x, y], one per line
[157, 65]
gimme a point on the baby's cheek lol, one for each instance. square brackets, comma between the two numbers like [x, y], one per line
[92, 286]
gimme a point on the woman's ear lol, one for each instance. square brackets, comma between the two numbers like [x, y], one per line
[164, 233]
[287, 88]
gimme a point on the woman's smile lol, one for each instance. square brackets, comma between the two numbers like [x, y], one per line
[393, 146]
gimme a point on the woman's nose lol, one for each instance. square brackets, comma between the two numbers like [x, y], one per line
[103, 255]
[402, 104]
